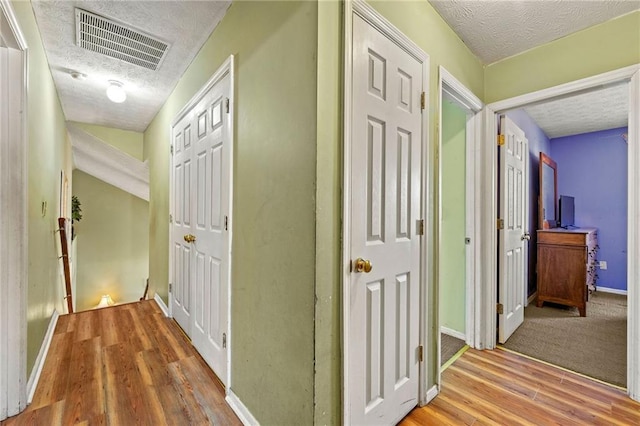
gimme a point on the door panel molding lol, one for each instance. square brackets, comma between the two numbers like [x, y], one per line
[487, 175]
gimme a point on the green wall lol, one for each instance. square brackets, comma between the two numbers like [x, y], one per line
[127, 141]
[273, 223]
[49, 153]
[112, 243]
[595, 50]
[452, 247]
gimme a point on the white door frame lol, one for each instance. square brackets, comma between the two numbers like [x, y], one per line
[13, 227]
[427, 281]
[227, 67]
[451, 88]
[486, 303]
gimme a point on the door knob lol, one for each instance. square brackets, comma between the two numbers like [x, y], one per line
[189, 238]
[526, 236]
[362, 265]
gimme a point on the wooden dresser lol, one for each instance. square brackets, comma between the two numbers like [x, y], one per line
[567, 266]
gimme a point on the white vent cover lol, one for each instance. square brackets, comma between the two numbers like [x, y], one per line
[99, 34]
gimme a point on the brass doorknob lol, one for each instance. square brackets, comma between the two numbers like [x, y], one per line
[189, 238]
[362, 265]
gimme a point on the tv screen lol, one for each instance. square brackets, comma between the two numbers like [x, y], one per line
[567, 211]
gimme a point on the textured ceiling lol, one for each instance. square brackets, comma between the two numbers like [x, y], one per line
[601, 109]
[497, 29]
[185, 25]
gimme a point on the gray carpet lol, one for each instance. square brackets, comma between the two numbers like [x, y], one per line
[595, 345]
[450, 346]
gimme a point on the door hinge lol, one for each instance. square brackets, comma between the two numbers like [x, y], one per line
[423, 100]
[226, 103]
[171, 149]
[170, 285]
[226, 223]
[500, 308]
[500, 223]
[421, 353]
[500, 140]
[421, 227]
[170, 218]
[224, 340]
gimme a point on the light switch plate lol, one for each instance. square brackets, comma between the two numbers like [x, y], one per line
[603, 264]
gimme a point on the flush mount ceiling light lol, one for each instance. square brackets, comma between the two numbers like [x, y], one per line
[115, 92]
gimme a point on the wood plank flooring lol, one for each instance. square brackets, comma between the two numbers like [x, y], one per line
[124, 365]
[502, 388]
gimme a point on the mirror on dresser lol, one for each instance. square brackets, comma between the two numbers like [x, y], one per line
[547, 201]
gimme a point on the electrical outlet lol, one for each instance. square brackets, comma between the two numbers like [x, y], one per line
[603, 264]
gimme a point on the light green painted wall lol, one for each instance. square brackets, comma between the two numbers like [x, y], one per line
[452, 249]
[422, 24]
[273, 260]
[606, 47]
[328, 380]
[49, 153]
[112, 243]
[125, 140]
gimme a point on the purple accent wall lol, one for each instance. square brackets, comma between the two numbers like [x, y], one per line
[592, 167]
[538, 142]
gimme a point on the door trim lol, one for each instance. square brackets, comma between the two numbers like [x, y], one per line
[427, 287]
[227, 67]
[488, 255]
[451, 88]
[14, 226]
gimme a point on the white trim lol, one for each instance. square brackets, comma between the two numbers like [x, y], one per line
[427, 330]
[240, 409]
[107, 163]
[14, 226]
[453, 333]
[226, 68]
[488, 211]
[42, 356]
[161, 305]
[611, 290]
[633, 241]
[432, 393]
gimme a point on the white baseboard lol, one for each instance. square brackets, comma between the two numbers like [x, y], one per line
[161, 304]
[453, 333]
[240, 409]
[532, 297]
[42, 355]
[611, 290]
[432, 393]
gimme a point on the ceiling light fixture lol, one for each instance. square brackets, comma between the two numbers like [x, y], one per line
[115, 92]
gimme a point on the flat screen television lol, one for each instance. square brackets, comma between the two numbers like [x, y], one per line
[567, 211]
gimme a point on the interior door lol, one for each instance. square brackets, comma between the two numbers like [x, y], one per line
[200, 226]
[513, 235]
[210, 185]
[181, 223]
[385, 242]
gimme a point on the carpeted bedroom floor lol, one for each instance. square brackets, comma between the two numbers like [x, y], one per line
[595, 345]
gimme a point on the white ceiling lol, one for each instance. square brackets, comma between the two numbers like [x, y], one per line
[185, 25]
[602, 109]
[497, 29]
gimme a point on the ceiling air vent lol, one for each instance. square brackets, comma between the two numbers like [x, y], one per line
[114, 39]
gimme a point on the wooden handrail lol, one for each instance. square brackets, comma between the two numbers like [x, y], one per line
[62, 228]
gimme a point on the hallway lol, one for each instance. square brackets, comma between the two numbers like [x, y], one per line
[126, 364]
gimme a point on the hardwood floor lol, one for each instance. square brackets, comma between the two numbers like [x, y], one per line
[124, 365]
[502, 388]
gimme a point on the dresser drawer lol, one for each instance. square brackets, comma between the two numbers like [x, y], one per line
[573, 239]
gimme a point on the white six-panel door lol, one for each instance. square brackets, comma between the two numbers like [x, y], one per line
[512, 278]
[200, 237]
[385, 212]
